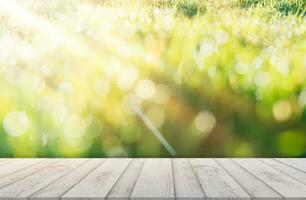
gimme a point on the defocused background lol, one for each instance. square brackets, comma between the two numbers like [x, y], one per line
[222, 78]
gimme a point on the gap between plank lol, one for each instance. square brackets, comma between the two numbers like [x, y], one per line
[103, 160]
[284, 172]
[137, 176]
[119, 178]
[234, 178]
[259, 179]
[290, 165]
[21, 170]
[198, 180]
[69, 171]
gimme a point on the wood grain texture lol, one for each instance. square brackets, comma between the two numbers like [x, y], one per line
[186, 182]
[254, 187]
[298, 163]
[57, 188]
[23, 188]
[124, 186]
[282, 183]
[155, 180]
[12, 177]
[52, 179]
[216, 182]
[14, 165]
[286, 169]
[100, 181]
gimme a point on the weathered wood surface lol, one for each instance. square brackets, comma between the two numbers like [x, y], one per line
[153, 178]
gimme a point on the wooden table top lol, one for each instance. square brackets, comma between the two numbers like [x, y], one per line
[125, 178]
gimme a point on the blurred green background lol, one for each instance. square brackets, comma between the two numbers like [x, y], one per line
[222, 78]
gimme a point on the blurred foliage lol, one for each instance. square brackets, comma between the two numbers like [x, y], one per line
[190, 8]
[285, 7]
[227, 82]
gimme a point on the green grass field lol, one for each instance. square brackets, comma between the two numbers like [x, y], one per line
[217, 78]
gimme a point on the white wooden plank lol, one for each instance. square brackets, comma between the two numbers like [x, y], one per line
[6, 161]
[299, 163]
[220, 178]
[283, 184]
[124, 186]
[3, 161]
[13, 165]
[18, 175]
[186, 183]
[254, 187]
[39, 179]
[155, 180]
[216, 183]
[100, 181]
[57, 188]
[286, 169]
